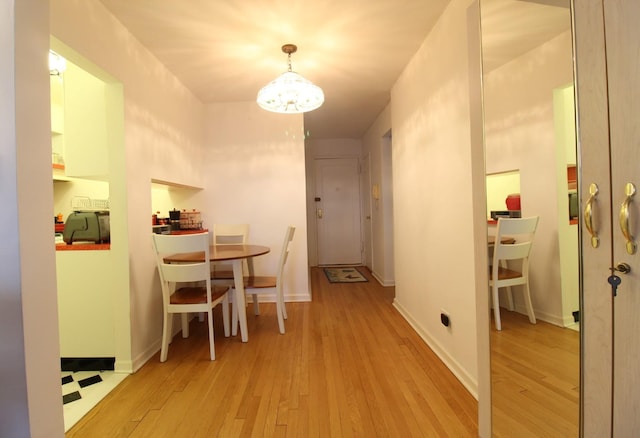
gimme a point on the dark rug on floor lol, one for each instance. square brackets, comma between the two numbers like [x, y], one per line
[344, 274]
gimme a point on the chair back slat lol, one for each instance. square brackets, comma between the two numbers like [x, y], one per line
[230, 234]
[166, 245]
[284, 255]
[520, 229]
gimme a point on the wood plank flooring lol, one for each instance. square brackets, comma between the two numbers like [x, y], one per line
[535, 379]
[348, 366]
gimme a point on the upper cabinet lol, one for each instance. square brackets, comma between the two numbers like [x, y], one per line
[79, 117]
[85, 124]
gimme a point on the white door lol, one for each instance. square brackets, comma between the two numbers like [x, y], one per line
[607, 71]
[338, 211]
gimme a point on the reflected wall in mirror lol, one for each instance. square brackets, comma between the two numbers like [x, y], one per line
[527, 64]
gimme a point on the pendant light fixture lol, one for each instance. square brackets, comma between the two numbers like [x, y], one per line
[290, 93]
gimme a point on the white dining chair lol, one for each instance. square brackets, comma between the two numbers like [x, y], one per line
[501, 274]
[255, 284]
[229, 234]
[187, 287]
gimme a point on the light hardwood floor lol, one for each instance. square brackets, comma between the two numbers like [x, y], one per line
[535, 379]
[349, 365]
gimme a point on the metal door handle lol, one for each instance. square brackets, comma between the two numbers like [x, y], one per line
[588, 215]
[319, 213]
[629, 191]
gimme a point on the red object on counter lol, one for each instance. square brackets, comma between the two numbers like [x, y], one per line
[59, 228]
[513, 202]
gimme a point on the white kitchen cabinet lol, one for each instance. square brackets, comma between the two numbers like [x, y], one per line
[86, 303]
[85, 124]
[607, 42]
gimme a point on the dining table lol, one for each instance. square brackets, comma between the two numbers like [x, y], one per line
[234, 254]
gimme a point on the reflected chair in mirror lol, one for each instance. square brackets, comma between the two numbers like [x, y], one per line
[510, 265]
[187, 287]
[254, 284]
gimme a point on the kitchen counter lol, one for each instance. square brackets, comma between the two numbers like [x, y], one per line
[83, 247]
[107, 246]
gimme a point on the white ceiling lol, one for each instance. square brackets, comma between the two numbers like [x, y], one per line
[226, 50]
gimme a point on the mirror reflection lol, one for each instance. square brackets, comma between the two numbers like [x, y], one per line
[529, 130]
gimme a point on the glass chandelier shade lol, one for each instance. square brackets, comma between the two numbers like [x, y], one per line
[290, 93]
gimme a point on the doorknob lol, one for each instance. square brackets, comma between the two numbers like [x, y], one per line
[319, 213]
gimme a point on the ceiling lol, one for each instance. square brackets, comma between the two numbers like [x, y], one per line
[226, 50]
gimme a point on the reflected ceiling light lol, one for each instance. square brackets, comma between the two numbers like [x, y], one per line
[290, 93]
[57, 64]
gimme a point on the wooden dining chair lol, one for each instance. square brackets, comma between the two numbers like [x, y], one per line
[187, 287]
[254, 284]
[229, 234]
[517, 252]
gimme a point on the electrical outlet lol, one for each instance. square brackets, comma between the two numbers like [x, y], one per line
[444, 318]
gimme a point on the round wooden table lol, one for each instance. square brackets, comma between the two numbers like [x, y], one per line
[235, 254]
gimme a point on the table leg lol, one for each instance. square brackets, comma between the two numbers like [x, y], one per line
[238, 279]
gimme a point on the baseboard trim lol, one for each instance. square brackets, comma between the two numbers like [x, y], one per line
[87, 363]
[383, 282]
[467, 380]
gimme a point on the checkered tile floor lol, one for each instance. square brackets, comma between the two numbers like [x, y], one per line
[82, 390]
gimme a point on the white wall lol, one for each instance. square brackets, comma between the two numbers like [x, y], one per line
[436, 243]
[163, 139]
[30, 402]
[255, 173]
[520, 134]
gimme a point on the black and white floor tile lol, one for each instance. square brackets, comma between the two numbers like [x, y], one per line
[82, 390]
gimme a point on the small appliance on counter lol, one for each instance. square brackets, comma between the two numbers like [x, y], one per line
[174, 217]
[161, 229]
[87, 226]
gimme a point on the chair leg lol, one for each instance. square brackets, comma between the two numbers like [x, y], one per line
[234, 313]
[256, 304]
[212, 348]
[166, 334]
[185, 324]
[496, 307]
[225, 315]
[528, 304]
[280, 310]
[510, 304]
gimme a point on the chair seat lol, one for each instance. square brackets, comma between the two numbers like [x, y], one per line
[505, 274]
[258, 282]
[197, 294]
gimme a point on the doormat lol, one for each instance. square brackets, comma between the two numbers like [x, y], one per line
[344, 275]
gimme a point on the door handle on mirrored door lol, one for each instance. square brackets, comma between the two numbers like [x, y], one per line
[629, 191]
[588, 215]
